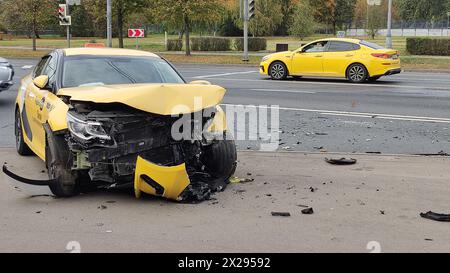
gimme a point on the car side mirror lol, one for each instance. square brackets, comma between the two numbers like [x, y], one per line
[203, 82]
[41, 82]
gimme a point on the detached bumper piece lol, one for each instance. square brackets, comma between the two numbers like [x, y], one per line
[168, 182]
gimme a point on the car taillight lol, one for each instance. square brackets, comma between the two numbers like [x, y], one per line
[382, 55]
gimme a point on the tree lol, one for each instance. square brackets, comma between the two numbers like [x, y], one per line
[29, 15]
[183, 14]
[334, 13]
[425, 10]
[303, 22]
[123, 9]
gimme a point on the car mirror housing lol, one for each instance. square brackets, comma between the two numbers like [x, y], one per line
[41, 81]
[203, 82]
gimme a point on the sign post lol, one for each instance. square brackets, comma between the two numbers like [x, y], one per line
[136, 33]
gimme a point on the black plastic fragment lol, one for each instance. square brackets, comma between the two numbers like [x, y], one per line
[436, 216]
[26, 180]
[281, 214]
[342, 161]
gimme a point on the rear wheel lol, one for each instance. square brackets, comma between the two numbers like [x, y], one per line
[21, 146]
[278, 71]
[357, 73]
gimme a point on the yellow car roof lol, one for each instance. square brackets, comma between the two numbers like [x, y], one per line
[341, 39]
[107, 52]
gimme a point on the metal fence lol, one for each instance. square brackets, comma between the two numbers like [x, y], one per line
[405, 28]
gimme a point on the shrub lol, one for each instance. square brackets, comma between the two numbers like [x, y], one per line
[210, 44]
[174, 45]
[254, 44]
[428, 46]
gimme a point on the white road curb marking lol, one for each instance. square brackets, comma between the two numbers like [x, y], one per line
[341, 84]
[225, 74]
[359, 114]
[284, 91]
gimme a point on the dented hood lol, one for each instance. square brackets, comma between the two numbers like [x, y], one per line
[161, 99]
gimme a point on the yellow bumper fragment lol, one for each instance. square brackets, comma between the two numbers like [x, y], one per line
[168, 182]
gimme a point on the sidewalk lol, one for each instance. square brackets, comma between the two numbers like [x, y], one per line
[378, 199]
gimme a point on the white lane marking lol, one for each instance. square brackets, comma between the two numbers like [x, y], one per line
[342, 84]
[358, 114]
[27, 67]
[225, 74]
[284, 91]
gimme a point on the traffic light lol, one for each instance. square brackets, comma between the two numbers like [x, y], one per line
[251, 9]
[64, 20]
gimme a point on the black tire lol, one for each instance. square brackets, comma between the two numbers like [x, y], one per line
[63, 182]
[374, 79]
[357, 73]
[21, 147]
[221, 159]
[278, 71]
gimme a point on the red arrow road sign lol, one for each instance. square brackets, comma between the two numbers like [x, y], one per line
[136, 33]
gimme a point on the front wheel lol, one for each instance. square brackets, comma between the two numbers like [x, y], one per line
[278, 71]
[357, 73]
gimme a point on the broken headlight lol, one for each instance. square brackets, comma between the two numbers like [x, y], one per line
[86, 130]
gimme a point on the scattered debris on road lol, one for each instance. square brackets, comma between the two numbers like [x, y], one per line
[436, 216]
[102, 207]
[281, 214]
[237, 180]
[342, 161]
[308, 211]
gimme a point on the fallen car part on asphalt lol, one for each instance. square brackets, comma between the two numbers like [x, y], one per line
[436, 216]
[237, 180]
[342, 161]
[281, 214]
[308, 211]
[25, 180]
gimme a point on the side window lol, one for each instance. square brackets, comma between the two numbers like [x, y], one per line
[316, 47]
[40, 67]
[50, 69]
[342, 46]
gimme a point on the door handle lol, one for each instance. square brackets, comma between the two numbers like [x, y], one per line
[319, 56]
[349, 55]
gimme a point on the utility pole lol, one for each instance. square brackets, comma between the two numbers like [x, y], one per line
[246, 20]
[68, 26]
[109, 22]
[389, 27]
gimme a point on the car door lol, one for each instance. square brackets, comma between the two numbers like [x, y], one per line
[35, 104]
[309, 60]
[338, 57]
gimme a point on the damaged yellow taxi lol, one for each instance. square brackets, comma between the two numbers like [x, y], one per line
[117, 118]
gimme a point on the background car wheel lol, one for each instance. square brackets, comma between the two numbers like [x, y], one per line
[278, 71]
[21, 146]
[374, 79]
[357, 73]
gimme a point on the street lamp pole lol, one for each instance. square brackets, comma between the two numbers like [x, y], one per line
[68, 27]
[389, 27]
[109, 22]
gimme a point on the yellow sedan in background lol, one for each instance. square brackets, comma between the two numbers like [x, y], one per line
[357, 60]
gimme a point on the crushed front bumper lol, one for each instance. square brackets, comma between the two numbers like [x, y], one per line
[167, 182]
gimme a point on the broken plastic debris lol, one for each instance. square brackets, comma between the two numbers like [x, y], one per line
[342, 161]
[308, 211]
[281, 214]
[236, 180]
[436, 216]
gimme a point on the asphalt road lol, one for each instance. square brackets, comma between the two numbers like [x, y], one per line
[376, 202]
[401, 114]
